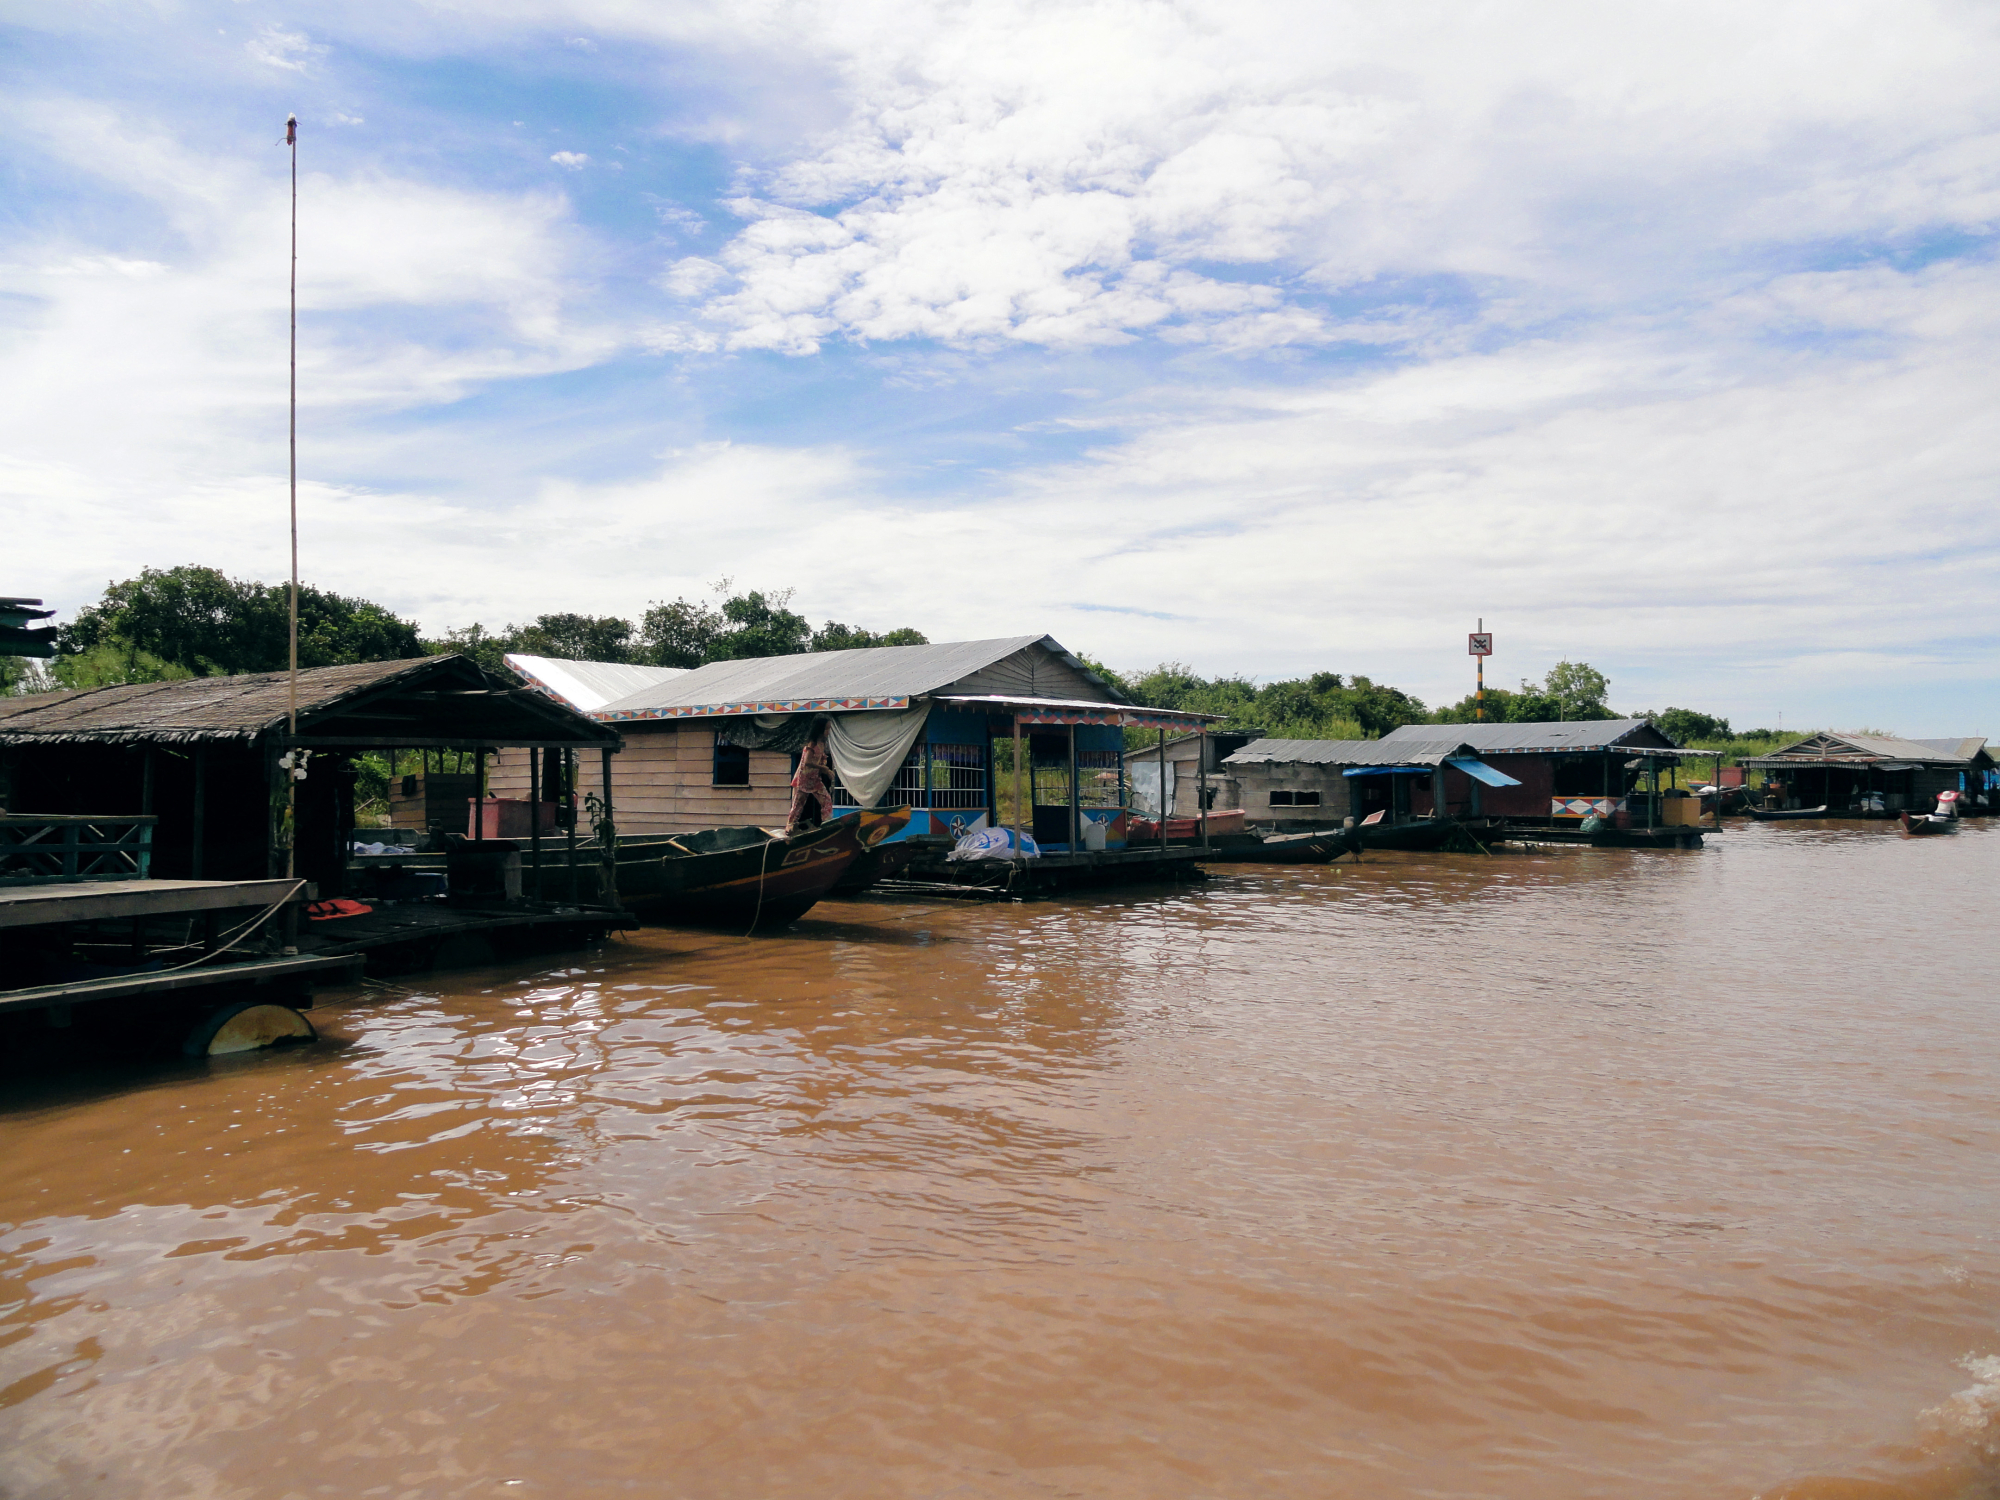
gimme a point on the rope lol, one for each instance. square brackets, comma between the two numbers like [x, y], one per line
[763, 863]
[242, 933]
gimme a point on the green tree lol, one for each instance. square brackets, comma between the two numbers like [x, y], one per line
[1578, 689]
[761, 625]
[20, 675]
[680, 634]
[1684, 725]
[834, 636]
[205, 623]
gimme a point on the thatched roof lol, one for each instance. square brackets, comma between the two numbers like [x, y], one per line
[426, 700]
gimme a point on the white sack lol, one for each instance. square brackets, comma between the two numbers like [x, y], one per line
[869, 747]
[993, 843]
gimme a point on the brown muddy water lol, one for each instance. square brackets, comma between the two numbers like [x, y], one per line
[1585, 1174]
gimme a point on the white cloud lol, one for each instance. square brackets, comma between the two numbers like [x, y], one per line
[1024, 171]
[574, 161]
[277, 48]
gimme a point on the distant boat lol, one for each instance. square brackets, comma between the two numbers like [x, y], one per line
[1786, 815]
[1925, 823]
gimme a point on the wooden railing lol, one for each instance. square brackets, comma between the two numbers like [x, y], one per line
[46, 848]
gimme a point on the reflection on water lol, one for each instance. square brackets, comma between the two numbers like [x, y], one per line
[1592, 1173]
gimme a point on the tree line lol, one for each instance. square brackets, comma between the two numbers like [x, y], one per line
[194, 621]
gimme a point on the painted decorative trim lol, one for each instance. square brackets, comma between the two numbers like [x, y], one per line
[1583, 807]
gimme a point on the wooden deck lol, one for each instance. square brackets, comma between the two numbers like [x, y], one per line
[296, 976]
[102, 900]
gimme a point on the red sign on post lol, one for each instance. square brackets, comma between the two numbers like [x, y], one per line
[1479, 643]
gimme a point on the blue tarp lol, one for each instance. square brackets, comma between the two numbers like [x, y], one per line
[1478, 770]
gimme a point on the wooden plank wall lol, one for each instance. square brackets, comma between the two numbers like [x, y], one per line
[663, 782]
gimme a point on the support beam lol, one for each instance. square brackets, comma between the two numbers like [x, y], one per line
[1075, 799]
[1017, 791]
[1166, 790]
[1201, 784]
[200, 848]
[535, 815]
[569, 835]
[607, 838]
[478, 796]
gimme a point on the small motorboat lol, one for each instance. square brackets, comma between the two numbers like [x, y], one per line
[1786, 814]
[1928, 823]
[1309, 848]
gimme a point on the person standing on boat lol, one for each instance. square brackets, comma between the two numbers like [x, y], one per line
[812, 783]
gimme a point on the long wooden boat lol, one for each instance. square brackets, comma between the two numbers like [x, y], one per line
[1310, 848]
[747, 878]
[1927, 823]
[1786, 814]
[1420, 833]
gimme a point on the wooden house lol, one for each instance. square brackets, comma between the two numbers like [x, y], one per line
[1298, 785]
[201, 758]
[950, 729]
[1848, 773]
[1563, 772]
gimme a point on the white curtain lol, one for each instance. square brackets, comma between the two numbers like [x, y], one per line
[1144, 772]
[868, 747]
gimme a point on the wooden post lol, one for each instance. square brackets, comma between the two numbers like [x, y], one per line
[200, 810]
[569, 795]
[1437, 791]
[1201, 785]
[1075, 815]
[479, 795]
[535, 814]
[1718, 791]
[1166, 790]
[1017, 790]
[607, 838]
[274, 855]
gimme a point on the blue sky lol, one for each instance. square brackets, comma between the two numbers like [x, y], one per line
[1266, 338]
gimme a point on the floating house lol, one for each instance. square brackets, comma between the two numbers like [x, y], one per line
[1563, 772]
[1845, 773]
[1553, 773]
[197, 762]
[1300, 785]
[959, 731]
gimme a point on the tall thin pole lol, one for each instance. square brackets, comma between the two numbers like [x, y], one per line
[291, 783]
[292, 140]
[1479, 698]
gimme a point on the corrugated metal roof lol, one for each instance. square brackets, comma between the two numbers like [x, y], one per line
[589, 685]
[854, 678]
[1501, 739]
[1964, 748]
[1870, 749]
[1386, 751]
